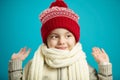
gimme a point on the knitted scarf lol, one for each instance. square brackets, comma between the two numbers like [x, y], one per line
[75, 60]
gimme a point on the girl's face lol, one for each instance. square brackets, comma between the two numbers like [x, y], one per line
[61, 39]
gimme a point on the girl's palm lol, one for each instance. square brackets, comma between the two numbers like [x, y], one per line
[100, 55]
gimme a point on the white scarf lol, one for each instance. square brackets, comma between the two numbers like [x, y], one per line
[55, 58]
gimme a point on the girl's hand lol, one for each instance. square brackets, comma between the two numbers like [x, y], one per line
[21, 55]
[100, 55]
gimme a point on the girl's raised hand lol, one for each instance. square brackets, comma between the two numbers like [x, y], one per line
[22, 54]
[100, 55]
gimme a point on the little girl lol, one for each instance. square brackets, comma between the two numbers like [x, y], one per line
[60, 57]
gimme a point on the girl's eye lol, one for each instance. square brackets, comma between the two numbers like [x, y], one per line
[53, 36]
[68, 36]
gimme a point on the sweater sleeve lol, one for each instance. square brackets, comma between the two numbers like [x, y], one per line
[105, 72]
[15, 70]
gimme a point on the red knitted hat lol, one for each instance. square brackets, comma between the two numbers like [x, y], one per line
[58, 15]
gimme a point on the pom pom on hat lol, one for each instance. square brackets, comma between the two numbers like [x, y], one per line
[59, 3]
[58, 15]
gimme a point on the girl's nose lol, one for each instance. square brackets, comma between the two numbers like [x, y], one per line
[61, 41]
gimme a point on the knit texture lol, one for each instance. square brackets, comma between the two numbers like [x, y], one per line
[60, 22]
[74, 59]
[17, 75]
[58, 15]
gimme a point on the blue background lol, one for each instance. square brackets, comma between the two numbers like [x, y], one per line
[20, 26]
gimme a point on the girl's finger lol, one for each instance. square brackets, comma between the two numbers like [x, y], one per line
[103, 51]
[99, 50]
[21, 50]
[94, 49]
[27, 52]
